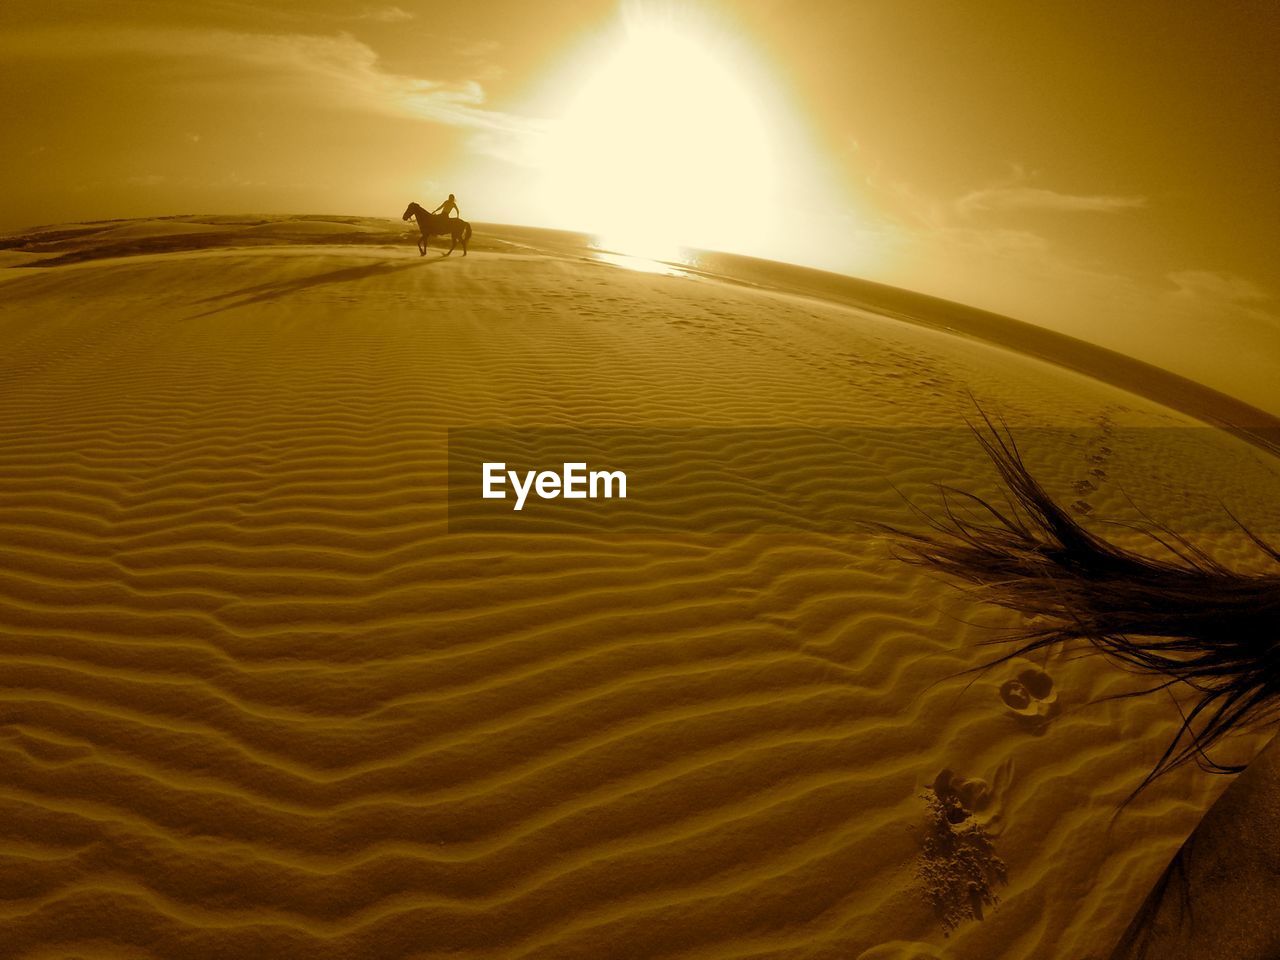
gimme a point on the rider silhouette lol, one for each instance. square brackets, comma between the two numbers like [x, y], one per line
[450, 206]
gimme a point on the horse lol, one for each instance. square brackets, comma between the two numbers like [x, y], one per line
[432, 224]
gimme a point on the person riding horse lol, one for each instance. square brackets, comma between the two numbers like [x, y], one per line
[431, 223]
[449, 207]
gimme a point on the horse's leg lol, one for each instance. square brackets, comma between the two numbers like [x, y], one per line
[422, 245]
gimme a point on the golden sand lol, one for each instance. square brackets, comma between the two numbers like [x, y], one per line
[258, 701]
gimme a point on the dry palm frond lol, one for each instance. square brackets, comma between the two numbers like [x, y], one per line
[1184, 619]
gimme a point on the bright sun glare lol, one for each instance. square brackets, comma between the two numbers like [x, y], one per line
[663, 144]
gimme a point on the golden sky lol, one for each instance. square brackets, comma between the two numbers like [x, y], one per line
[1106, 169]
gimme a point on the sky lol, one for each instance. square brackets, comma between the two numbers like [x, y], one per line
[1108, 170]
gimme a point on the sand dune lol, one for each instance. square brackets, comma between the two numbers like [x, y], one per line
[261, 701]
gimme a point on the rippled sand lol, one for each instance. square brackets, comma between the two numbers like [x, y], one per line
[258, 701]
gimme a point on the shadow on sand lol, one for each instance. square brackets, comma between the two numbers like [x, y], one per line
[274, 290]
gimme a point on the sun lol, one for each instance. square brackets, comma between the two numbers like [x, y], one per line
[663, 143]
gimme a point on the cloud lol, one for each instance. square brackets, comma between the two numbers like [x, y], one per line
[476, 49]
[350, 74]
[1213, 297]
[382, 15]
[326, 70]
[998, 198]
[1211, 285]
[1215, 327]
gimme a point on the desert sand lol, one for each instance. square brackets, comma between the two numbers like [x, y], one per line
[260, 700]
[1217, 898]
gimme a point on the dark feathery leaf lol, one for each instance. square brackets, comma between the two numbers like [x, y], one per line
[1186, 619]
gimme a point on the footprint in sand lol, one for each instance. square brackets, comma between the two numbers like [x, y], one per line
[958, 866]
[962, 797]
[974, 798]
[1097, 454]
[1030, 695]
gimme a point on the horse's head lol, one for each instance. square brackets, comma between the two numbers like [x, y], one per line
[410, 210]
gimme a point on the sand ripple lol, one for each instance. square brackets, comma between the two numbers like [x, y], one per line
[259, 702]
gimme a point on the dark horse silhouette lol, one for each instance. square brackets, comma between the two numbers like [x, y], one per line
[432, 224]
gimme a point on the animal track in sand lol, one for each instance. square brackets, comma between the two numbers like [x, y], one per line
[958, 864]
[961, 797]
[1098, 454]
[973, 798]
[1030, 695]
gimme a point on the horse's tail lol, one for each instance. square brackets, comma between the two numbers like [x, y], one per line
[466, 235]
